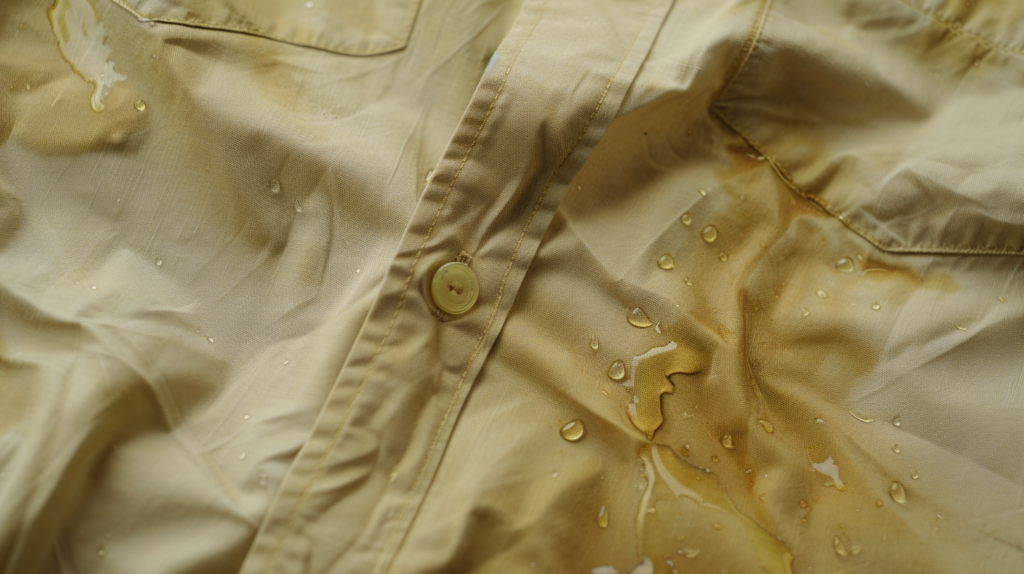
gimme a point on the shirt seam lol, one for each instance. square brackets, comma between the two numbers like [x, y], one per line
[747, 49]
[788, 180]
[385, 48]
[504, 279]
[408, 280]
[962, 32]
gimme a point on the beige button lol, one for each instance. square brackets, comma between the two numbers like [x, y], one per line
[454, 288]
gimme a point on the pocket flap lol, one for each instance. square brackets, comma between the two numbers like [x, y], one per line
[907, 128]
[351, 27]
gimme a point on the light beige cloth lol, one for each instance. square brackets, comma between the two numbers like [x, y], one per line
[751, 286]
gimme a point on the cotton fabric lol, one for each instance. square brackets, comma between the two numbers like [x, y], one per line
[219, 220]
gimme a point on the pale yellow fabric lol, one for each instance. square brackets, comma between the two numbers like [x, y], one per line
[768, 254]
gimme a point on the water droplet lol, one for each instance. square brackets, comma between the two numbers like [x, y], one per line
[913, 474]
[702, 192]
[94, 287]
[685, 219]
[638, 318]
[845, 265]
[594, 343]
[723, 257]
[896, 421]
[714, 458]
[767, 426]
[666, 262]
[298, 208]
[841, 548]
[897, 492]
[876, 306]
[806, 312]
[275, 186]
[430, 173]
[554, 474]
[309, 5]
[862, 419]
[803, 503]
[709, 233]
[159, 262]
[716, 526]
[602, 517]
[727, 441]
[286, 361]
[572, 431]
[209, 339]
[28, 87]
[101, 552]
[140, 105]
[691, 552]
[878, 503]
[241, 456]
[819, 420]
[245, 417]
[896, 448]
[688, 281]
[21, 25]
[961, 328]
[617, 371]
[822, 294]
[1001, 299]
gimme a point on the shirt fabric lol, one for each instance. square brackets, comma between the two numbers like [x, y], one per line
[751, 281]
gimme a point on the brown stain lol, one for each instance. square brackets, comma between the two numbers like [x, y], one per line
[774, 364]
[650, 380]
[875, 264]
[683, 494]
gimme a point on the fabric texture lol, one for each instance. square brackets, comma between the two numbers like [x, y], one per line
[751, 286]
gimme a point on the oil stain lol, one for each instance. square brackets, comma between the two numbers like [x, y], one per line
[82, 42]
[650, 380]
[671, 479]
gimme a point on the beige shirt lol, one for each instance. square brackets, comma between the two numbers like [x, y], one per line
[751, 286]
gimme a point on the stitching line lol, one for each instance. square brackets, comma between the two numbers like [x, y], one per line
[504, 279]
[747, 49]
[959, 31]
[788, 180]
[394, 318]
[394, 46]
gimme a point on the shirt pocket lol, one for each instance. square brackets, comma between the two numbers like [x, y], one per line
[905, 123]
[350, 27]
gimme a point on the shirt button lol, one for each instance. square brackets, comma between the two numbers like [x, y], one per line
[454, 288]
